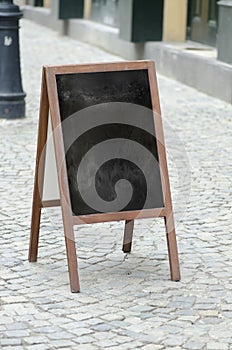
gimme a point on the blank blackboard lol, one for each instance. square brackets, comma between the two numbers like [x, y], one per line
[108, 149]
[115, 108]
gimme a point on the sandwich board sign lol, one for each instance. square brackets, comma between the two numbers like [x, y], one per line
[101, 153]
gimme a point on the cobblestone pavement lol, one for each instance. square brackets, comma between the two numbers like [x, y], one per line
[126, 301]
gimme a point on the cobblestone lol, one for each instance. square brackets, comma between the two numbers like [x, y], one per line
[10, 342]
[126, 301]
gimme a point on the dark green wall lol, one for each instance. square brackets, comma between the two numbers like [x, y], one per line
[71, 9]
[141, 21]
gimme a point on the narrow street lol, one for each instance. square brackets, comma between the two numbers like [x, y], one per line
[126, 301]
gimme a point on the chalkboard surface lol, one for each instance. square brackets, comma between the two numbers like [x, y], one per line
[110, 141]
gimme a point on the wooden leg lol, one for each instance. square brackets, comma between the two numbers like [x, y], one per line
[72, 262]
[34, 238]
[172, 248]
[39, 172]
[128, 234]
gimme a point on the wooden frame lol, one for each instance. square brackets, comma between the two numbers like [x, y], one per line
[49, 103]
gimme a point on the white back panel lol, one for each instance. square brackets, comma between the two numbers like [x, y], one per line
[51, 187]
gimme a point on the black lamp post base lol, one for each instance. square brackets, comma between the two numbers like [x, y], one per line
[12, 109]
[12, 104]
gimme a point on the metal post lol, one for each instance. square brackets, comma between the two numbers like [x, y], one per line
[12, 103]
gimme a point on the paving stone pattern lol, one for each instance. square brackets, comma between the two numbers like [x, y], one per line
[126, 301]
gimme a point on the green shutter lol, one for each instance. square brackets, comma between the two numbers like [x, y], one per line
[71, 9]
[141, 20]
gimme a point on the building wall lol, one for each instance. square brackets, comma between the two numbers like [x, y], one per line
[175, 20]
[47, 3]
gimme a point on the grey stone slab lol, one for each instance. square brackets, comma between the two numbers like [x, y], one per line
[19, 333]
[6, 342]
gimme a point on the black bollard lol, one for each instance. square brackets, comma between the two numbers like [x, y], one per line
[12, 103]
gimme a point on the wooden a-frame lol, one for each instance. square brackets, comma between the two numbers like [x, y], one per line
[49, 104]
